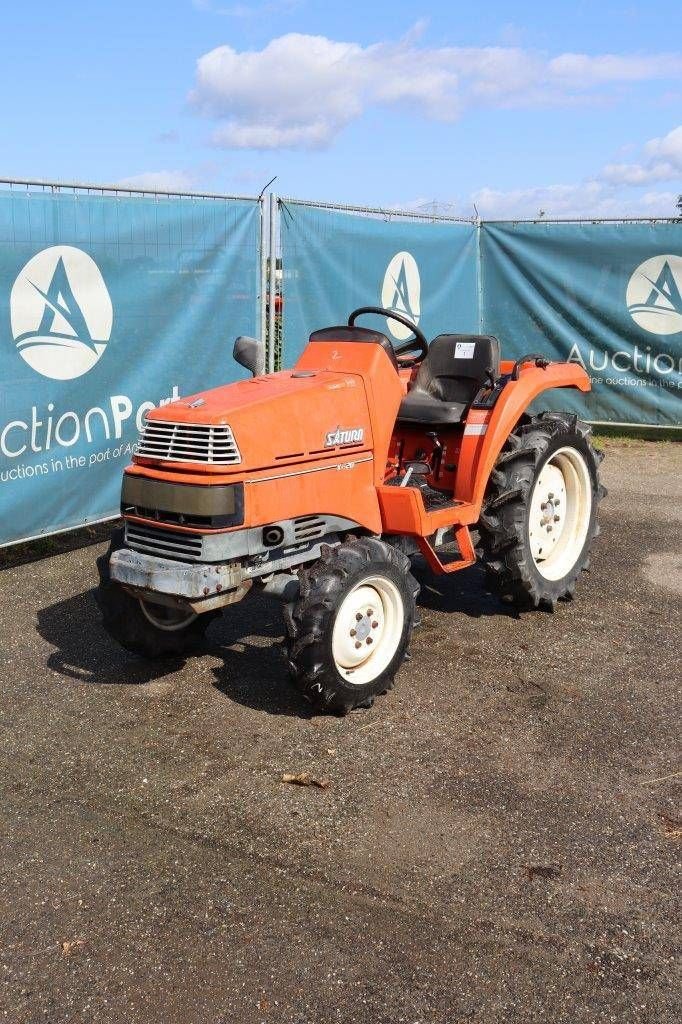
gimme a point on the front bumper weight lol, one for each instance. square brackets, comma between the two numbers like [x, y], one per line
[188, 581]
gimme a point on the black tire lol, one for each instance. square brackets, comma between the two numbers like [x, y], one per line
[125, 621]
[310, 622]
[504, 524]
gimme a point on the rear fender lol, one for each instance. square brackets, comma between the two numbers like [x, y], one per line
[486, 430]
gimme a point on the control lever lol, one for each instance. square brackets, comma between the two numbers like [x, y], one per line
[437, 453]
[416, 468]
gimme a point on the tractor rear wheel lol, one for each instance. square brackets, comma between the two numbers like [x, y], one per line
[142, 627]
[539, 516]
[349, 629]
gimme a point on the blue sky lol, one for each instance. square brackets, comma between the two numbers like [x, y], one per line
[572, 108]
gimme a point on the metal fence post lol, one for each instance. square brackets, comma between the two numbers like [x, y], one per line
[479, 274]
[272, 284]
[263, 287]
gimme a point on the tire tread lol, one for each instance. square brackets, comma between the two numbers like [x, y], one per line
[502, 525]
[323, 586]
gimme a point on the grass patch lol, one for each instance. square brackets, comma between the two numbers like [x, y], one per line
[632, 435]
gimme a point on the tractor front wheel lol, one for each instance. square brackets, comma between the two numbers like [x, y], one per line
[539, 518]
[350, 627]
[145, 628]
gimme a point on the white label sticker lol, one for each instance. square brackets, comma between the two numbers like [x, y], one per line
[465, 349]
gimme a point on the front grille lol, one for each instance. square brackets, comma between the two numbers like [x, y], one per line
[188, 442]
[175, 518]
[184, 547]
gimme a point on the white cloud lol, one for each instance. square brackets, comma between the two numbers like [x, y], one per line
[167, 181]
[550, 200]
[667, 148]
[300, 91]
[584, 199]
[584, 71]
[662, 162]
[580, 200]
[315, 135]
[616, 191]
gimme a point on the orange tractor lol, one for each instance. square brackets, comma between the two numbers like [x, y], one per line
[319, 484]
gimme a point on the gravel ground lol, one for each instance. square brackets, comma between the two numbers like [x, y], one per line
[497, 842]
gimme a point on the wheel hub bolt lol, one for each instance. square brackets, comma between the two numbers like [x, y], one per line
[357, 644]
[370, 612]
[557, 518]
[368, 640]
[358, 616]
[352, 632]
[549, 529]
[550, 496]
[375, 625]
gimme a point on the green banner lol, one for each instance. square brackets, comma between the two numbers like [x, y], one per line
[109, 305]
[606, 295]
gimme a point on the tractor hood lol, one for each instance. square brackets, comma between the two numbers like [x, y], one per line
[291, 416]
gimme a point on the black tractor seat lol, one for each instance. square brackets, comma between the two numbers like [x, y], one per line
[450, 377]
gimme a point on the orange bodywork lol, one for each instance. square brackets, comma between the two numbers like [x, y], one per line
[281, 423]
[285, 425]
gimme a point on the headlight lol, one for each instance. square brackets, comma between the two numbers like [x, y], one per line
[211, 508]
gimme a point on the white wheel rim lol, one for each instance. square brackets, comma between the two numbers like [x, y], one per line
[560, 510]
[165, 618]
[367, 630]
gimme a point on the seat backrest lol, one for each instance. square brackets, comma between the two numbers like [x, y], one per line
[458, 365]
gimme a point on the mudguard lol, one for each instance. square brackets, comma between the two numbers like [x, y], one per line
[486, 430]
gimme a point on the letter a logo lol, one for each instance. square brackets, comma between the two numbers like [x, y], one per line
[653, 295]
[61, 312]
[401, 300]
[401, 292]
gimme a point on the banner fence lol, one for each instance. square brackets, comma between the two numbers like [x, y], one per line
[112, 301]
[335, 261]
[109, 304]
[605, 294]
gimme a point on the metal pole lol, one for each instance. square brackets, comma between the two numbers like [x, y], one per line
[272, 290]
[479, 275]
[263, 292]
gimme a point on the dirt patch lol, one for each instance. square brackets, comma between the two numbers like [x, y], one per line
[496, 841]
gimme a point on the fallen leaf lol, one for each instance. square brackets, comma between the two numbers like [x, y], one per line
[672, 828]
[68, 946]
[305, 779]
[331, 750]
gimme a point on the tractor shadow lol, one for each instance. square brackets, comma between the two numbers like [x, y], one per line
[254, 671]
[84, 650]
[462, 592]
[246, 640]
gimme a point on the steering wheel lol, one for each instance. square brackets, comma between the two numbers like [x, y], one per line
[418, 339]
